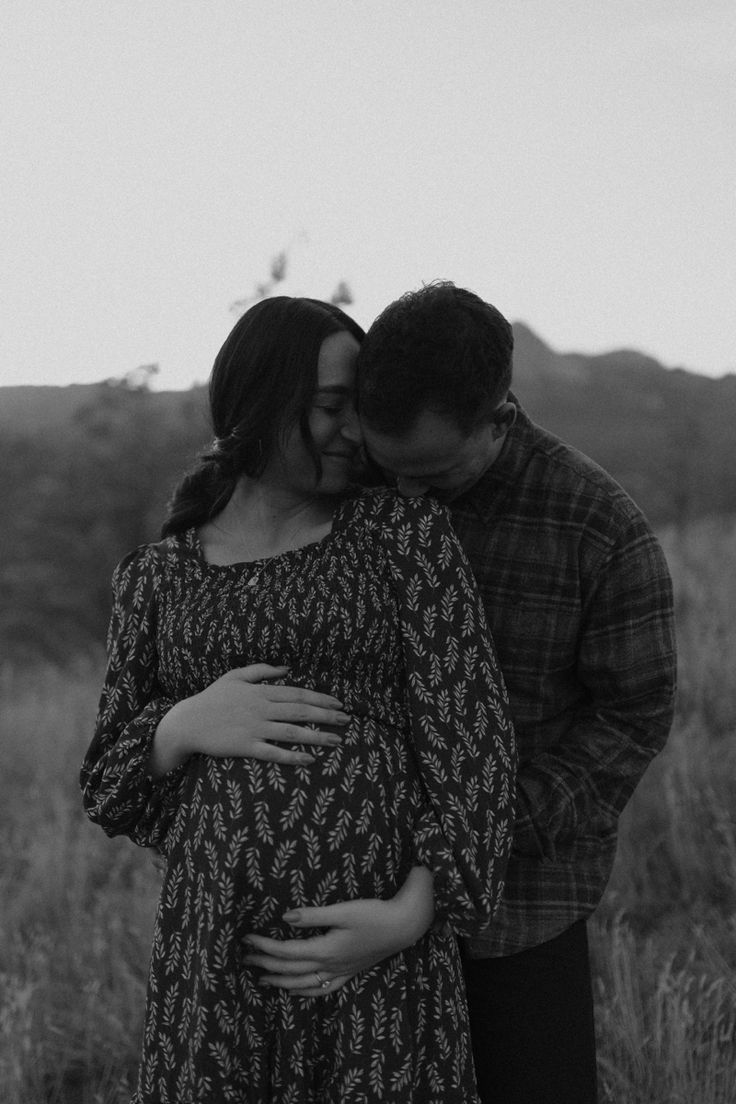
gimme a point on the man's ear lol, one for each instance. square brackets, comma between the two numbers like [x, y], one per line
[504, 417]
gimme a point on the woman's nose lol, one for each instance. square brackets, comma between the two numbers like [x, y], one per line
[350, 428]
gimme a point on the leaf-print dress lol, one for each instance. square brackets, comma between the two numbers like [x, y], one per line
[382, 613]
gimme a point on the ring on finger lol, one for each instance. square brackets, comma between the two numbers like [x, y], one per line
[324, 983]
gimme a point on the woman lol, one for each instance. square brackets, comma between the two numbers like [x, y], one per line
[367, 600]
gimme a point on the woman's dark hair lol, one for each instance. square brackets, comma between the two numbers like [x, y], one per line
[441, 348]
[261, 385]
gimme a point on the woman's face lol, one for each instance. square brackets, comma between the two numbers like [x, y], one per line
[333, 423]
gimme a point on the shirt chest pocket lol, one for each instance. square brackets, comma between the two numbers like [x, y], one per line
[535, 629]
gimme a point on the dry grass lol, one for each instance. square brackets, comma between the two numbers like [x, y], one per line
[664, 937]
[77, 908]
[666, 1023]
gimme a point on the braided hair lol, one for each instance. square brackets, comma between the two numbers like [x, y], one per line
[261, 385]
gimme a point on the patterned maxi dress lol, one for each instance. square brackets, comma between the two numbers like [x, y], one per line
[382, 613]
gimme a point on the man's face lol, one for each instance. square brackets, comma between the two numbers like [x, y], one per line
[434, 456]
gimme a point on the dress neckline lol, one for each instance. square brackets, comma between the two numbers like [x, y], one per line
[192, 541]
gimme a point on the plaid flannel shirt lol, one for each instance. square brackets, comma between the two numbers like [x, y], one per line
[579, 601]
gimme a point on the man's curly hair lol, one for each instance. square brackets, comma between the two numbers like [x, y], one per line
[441, 348]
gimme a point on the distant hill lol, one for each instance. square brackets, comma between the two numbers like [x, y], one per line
[26, 409]
[666, 435]
[85, 471]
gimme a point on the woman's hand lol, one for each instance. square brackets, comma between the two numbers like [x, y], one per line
[240, 714]
[360, 934]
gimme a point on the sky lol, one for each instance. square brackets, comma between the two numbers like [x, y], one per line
[571, 161]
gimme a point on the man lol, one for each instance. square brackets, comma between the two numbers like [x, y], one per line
[578, 597]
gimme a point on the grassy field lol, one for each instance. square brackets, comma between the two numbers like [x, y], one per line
[77, 908]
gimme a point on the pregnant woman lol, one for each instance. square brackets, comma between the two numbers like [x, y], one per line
[271, 555]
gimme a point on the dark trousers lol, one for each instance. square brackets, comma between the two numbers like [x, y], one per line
[531, 1019]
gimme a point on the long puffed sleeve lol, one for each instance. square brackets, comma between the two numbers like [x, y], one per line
[118, 791]
[462, 733]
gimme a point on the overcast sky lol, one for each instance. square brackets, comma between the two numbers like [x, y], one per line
[572, 161]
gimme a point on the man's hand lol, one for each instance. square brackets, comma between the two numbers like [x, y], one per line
[241, 714]
[359, 935]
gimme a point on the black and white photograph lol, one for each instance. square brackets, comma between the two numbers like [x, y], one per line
[367, 546]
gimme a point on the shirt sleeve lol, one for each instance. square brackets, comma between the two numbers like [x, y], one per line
[627, 668]
[118, 792]
[461, 731]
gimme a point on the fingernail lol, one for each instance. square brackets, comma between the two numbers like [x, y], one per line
[333, 741]
[343, 718]
[303, 758]
[290, 917]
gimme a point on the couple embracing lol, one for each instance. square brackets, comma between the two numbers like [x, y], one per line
[378, 697]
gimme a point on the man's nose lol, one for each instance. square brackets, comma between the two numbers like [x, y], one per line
[411, 488]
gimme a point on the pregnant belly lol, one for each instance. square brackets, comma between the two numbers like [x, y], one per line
[253, 839]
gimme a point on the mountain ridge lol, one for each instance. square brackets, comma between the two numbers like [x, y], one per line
[87, 470]
[666, 434]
